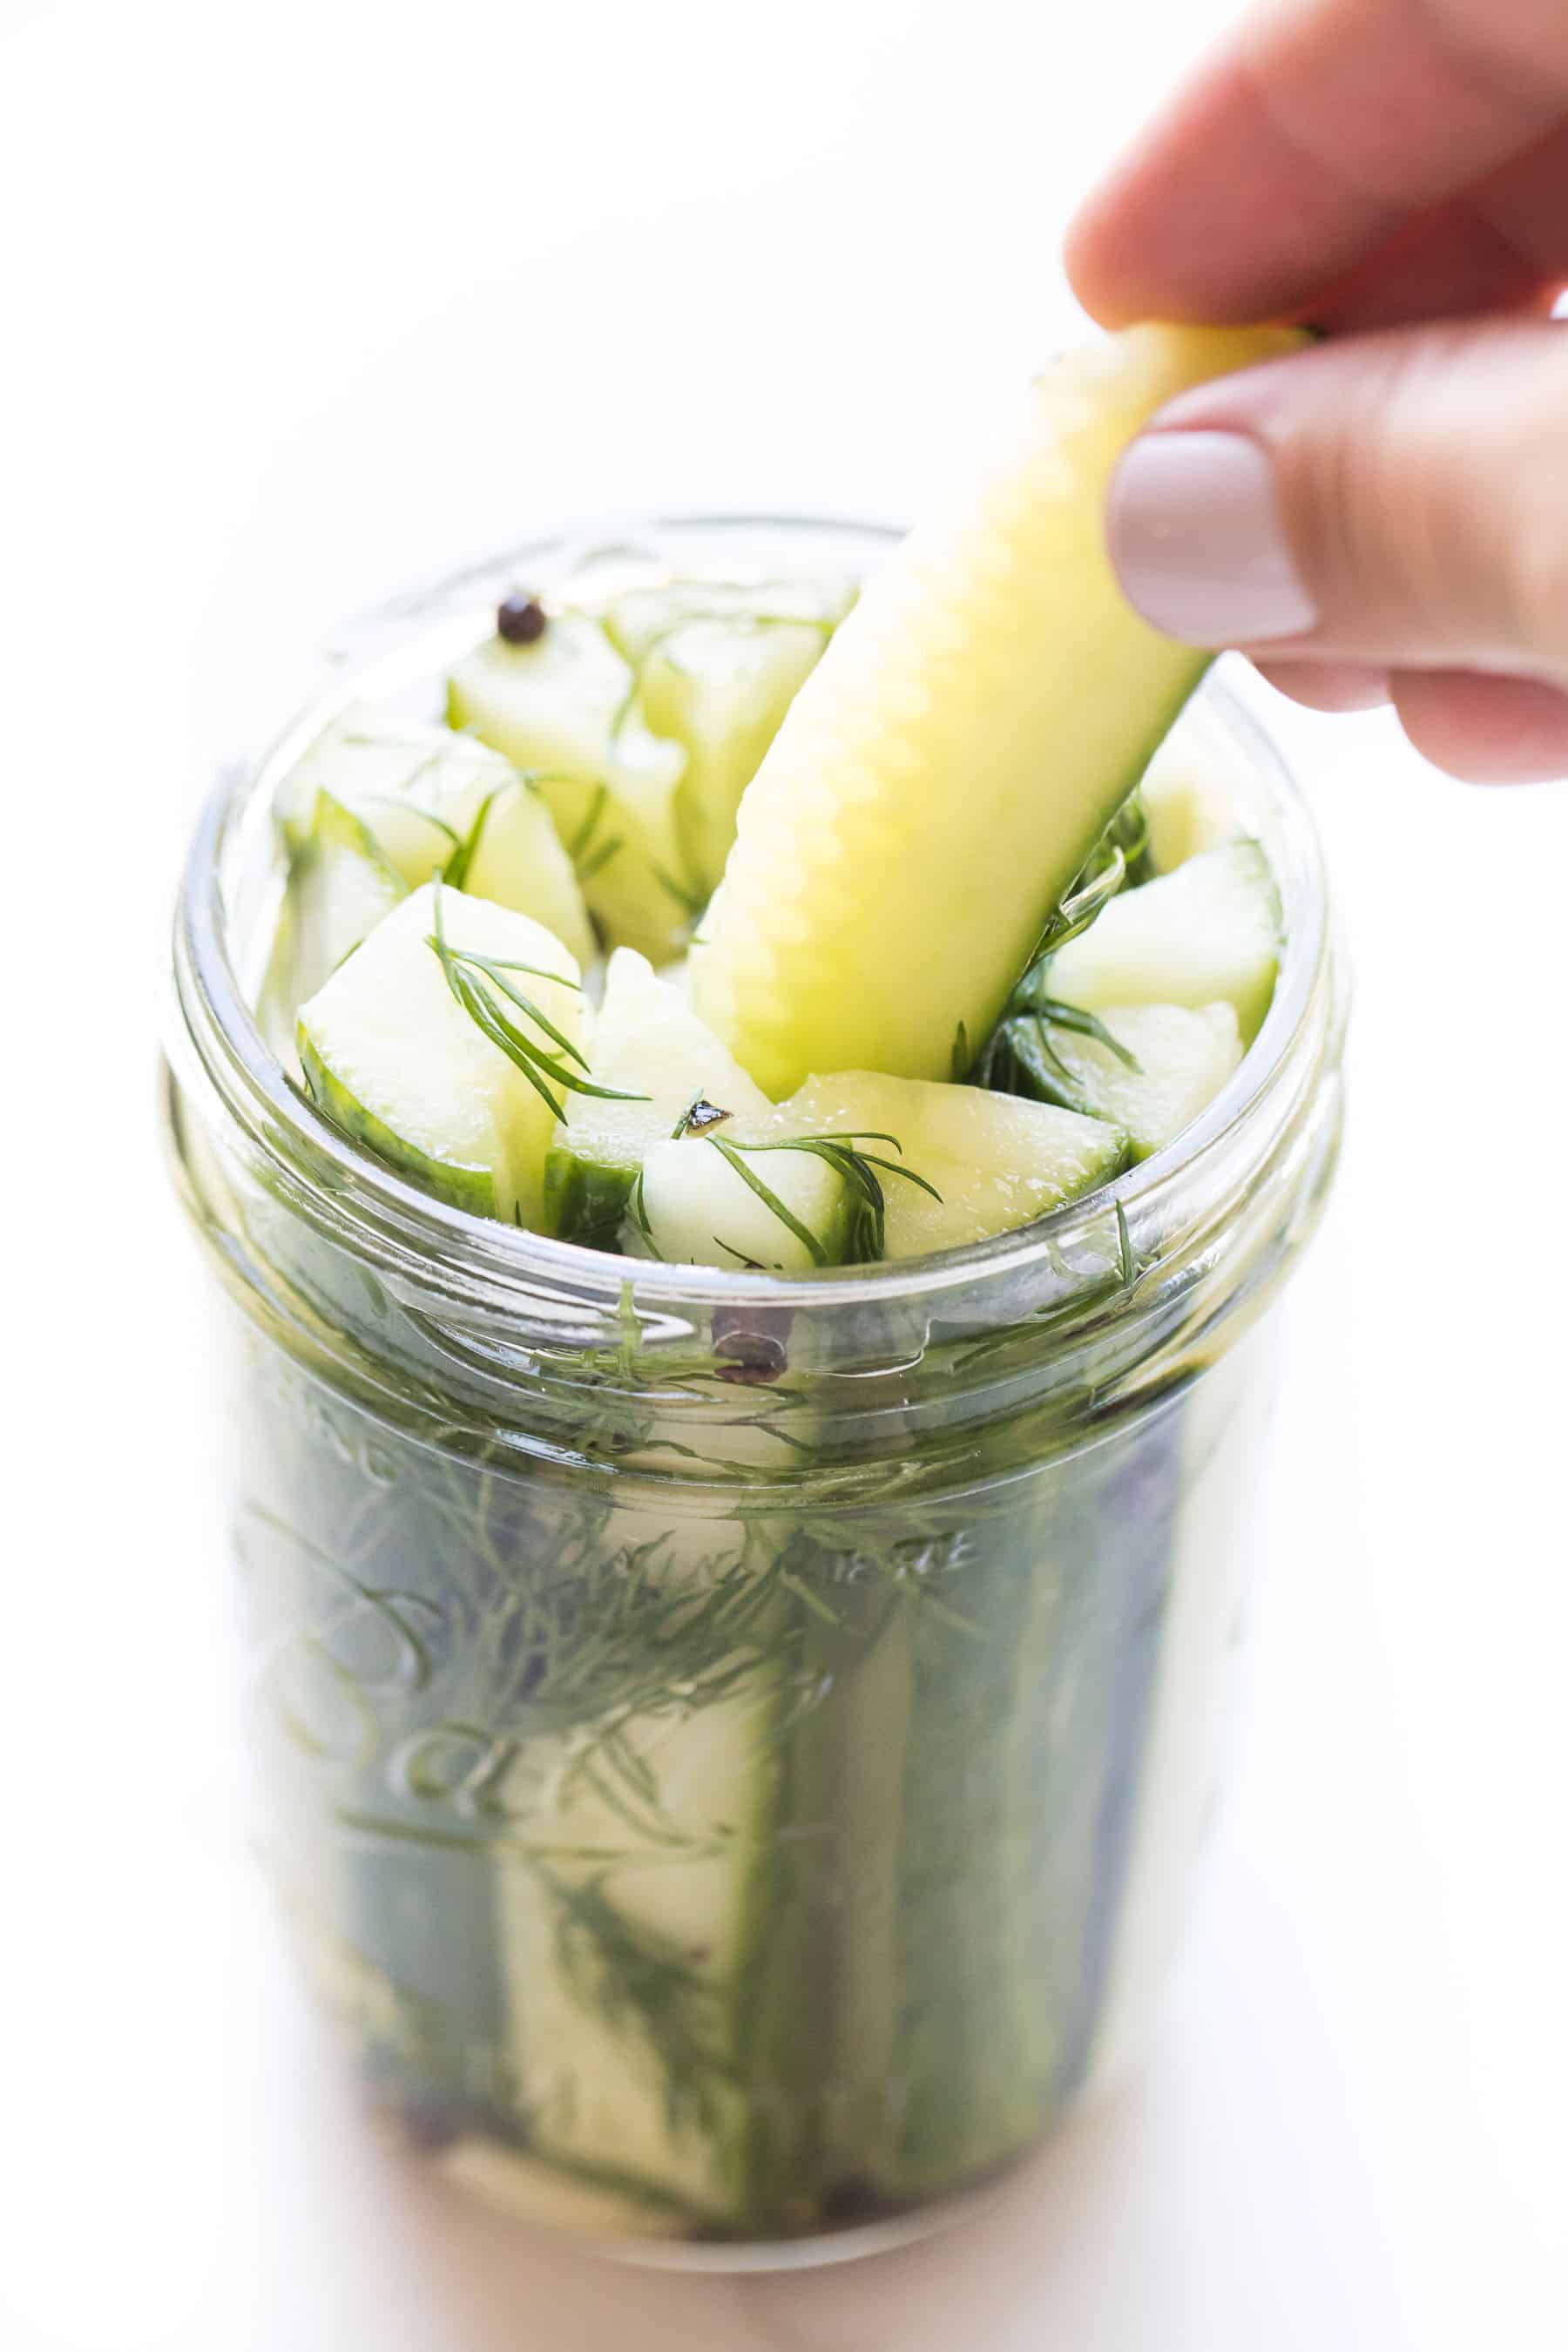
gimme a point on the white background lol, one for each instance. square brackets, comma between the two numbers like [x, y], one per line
[301, 301]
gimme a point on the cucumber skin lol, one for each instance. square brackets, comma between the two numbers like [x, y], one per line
[1002, 1867]
[975, 2026]
[1128, 1548]
[392, 1925]
[465, 1188]
[1022, 1678]
[585, 1200]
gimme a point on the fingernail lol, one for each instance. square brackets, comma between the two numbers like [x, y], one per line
[1198, 541]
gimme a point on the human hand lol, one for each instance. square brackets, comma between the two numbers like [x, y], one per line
[1384, 517]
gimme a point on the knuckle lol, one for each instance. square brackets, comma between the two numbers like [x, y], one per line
[1439, 494]
[1534, 513]
[1384, 495]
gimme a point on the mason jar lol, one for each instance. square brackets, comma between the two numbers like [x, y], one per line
[732, 1750]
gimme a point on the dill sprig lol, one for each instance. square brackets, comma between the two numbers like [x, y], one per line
[636, 1209]
[577, 848]
[456, 871]
[477, 980]
[1119, 861]
[642, 1982]
[1023, 1060]
[1027, 1064]
[866, 1236]
[690, 900]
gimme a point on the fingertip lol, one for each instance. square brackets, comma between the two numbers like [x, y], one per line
[1337, 686]
[1484, 730]
[1089, 257]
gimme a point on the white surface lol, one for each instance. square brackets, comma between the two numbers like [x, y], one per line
[306, 300]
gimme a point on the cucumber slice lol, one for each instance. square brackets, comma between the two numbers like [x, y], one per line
[698, 1207]
[1183, 1060]
[648, 1042]
[1207, 934]
[995, 1160]
[721, 688]
[340, 887]
[626, 1944]
[1189, 808]
[638, 619]
[635, 1892]
[978, 1809]
[350, 759]
[390, 1055]
[563, 710]
[548, 2198]
[964, 740]
[419, 791]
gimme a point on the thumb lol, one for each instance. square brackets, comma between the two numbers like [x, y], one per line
[1398, 500]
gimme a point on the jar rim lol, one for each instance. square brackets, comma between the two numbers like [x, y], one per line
[215, 1021]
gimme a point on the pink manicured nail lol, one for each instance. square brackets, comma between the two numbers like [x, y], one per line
[1198, 541]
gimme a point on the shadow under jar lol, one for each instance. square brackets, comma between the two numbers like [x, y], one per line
[733, 1749]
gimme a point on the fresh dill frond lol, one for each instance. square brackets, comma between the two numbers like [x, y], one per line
[752, 1265]
[816, 1249]
[636, 1209]
[691, 902]
[1024, 1060]
[868, 1201]
[642, 1982]
[474, 981]
[585, 838]
[456, 871]
[1120, 861]
[1032, 999]
[413, 808]
[576, 848]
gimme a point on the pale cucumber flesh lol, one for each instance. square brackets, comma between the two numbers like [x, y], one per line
[953, 758]
[564, 710]
[340, 886]
[603, 2098]
[718, 664]
[721, 691]
[1209, 933]
[736, 1201]
[638, 619]
[1189, 807]
[398, 1062]
[997, 1162]
[1180, 1060]
[987, 1163]
[424, 796]
[649, 1045]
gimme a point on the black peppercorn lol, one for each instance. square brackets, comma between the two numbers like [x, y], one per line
[749, 1344]
[520, 620]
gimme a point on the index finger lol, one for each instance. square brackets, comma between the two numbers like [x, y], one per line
[1314, 130]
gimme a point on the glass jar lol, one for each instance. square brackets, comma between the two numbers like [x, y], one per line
[731, 1748]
